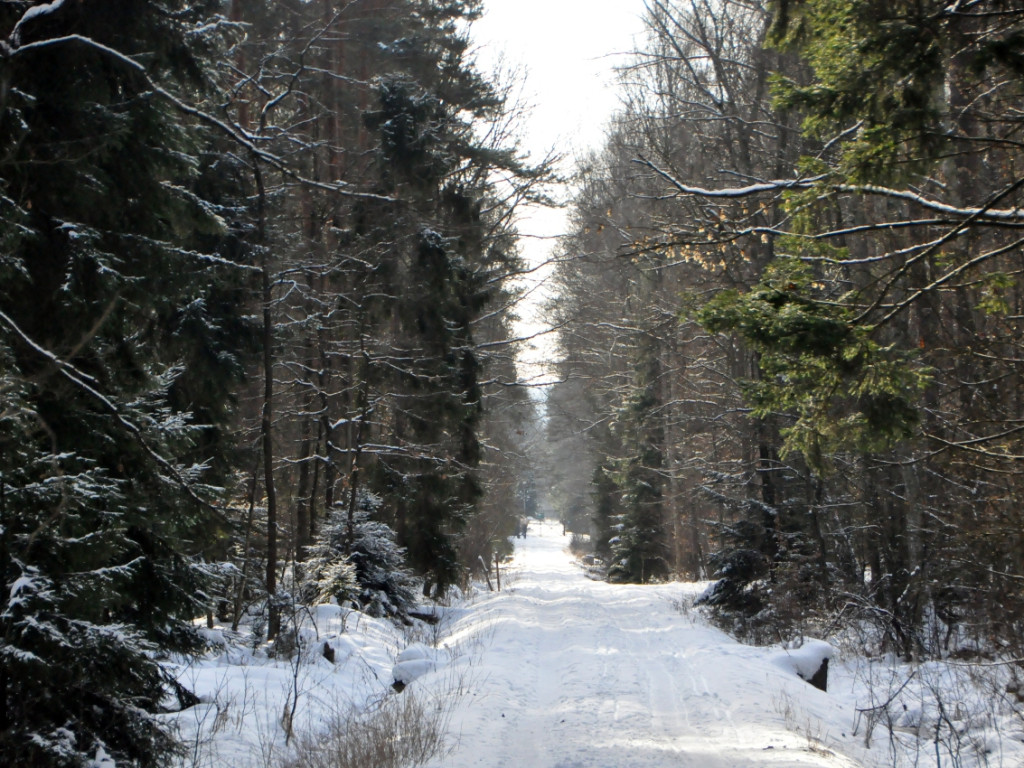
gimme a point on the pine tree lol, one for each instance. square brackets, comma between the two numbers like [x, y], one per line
[384, 237]
[606, 503]
[889, 301]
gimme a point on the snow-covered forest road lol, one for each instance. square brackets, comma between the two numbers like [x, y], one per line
[575, 673]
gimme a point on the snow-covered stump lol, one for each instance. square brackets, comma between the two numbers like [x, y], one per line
[809, 662]
[820, 678]
[414, 662]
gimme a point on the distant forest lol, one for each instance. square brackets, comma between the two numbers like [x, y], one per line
[258, 281]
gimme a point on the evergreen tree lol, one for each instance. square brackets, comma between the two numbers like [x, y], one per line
[444, 251]
[104, 337]
[355, 558]
[605, 497]
[639, 548]
[384, 236]
[329, 574]
[888, 302]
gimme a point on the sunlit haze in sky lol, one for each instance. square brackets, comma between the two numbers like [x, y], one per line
[568, 50]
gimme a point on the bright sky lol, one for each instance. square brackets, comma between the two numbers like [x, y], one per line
[568, 49]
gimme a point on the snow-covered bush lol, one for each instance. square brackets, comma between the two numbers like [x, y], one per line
[359, 560]
[386, 584]
[329, 575]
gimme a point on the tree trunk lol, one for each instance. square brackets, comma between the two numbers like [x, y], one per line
[356, 444]
[302, 494]
[267, 418]
[236, 616]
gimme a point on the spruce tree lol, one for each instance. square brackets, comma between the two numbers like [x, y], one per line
[443, 252]
[639, 546]
[105, 336]
[355, 558]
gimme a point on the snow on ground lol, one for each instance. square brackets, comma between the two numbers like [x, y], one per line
[581, 673]
[560, 671]
[576, 673]
[246, 696]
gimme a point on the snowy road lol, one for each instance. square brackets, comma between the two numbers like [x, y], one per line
[565, 672]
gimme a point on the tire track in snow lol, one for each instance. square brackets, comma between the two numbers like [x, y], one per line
[583, 674]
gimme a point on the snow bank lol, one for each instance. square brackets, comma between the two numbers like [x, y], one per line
[244, 687]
